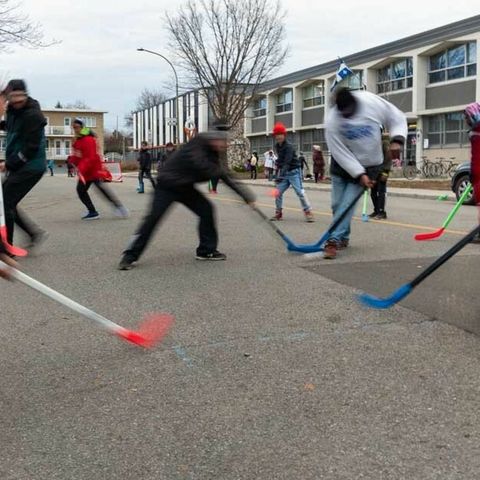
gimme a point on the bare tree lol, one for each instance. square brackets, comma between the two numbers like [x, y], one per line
[148, 98]
[16, 28]
[228, 48]
[77, 105]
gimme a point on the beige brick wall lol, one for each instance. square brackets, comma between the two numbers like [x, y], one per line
[461, 154]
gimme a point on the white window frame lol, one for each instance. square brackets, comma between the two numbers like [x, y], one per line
[314, 100]
[448, 68]
[387, 86]
[259, 111]
[281, 105]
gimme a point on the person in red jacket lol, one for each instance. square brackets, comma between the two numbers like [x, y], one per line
[91, 171]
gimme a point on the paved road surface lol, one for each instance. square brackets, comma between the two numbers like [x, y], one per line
[272, 370]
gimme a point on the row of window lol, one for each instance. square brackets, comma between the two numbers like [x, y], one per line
[448, 129]
[90, 122]
[453, 63]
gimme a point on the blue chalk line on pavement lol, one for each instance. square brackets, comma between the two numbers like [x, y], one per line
[182, 354]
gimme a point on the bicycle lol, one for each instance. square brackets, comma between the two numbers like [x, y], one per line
[410, 171]
[448, 167]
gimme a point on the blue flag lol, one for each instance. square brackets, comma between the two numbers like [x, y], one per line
[342, 73]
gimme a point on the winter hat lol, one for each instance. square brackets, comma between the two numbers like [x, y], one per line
[16, 85]
[279, 129]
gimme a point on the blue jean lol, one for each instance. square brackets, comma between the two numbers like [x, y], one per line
[292, 178]
[343, 194]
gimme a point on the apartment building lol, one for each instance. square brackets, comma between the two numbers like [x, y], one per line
[59, 133]
[430, 76]
[160, 124]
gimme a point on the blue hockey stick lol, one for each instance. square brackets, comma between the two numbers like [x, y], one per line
[405, 290]
[284, 237]
[318, 246]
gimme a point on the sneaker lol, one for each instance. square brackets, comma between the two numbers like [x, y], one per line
[330, 250]
[214, 256]
[126, 263]
[381, 216]
[121, 212]
[38, 239]
[342, 244]
[373, 215]
[309, 217]
[277, 217]
[91, 216]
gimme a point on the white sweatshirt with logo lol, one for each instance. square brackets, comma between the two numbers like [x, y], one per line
[356, 142]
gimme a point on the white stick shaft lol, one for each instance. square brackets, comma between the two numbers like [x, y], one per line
[2, 208]
[58, 297]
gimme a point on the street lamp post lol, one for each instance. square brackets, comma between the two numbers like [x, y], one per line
[177, 117]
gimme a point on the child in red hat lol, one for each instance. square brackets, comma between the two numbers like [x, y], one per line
[289, 174]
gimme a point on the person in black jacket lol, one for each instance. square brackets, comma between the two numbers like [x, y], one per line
[25, 156]
[144, 167]
[163, 157]
[289, 174]
[197, 161]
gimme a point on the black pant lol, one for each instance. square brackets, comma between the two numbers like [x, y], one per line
[163, 199]
[82, 190]
[15, 188]
[378, 194]
[147, 173]
[253, 172]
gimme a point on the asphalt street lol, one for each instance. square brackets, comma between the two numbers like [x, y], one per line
[272, 369]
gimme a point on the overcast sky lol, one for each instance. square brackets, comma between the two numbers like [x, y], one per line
[97, 60]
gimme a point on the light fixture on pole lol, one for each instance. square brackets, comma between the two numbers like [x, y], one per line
[176, 88]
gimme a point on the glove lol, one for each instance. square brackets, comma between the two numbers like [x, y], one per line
[15, 162]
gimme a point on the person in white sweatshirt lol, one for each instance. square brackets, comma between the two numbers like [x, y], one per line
[354, 138]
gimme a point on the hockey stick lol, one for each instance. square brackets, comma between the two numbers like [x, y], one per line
[406, 289]
[273, 226]
[318, 247]
[438, 233]
[152, 330]
[11, 249]
[364, 210]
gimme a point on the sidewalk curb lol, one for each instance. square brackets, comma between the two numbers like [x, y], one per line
[427, 195]
[421, 195]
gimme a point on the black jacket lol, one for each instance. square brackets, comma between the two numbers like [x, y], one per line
[25, 148]
[144, 160]
[287, 157]
[197, 162]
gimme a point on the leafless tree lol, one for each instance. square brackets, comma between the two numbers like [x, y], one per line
[77, 105]
[148, 98]
[228, 48]
[17, 28]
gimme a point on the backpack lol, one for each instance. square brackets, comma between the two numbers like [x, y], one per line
[472, 114]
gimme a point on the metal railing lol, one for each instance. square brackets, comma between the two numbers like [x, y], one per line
[52, 153]
[58, 130]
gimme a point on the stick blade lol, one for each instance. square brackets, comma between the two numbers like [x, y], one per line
[313, 248]
[151, 332]
[365, 217]
[387, 302]
[11, 249]
[420, 237]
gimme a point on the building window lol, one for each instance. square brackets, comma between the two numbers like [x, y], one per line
[313, 95]
[447, 130]
[260, 107]
[284, 101]
[453, 63]
[395, 76]
[90, 122]
[67, 121]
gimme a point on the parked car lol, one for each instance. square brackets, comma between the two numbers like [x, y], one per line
[461, 180]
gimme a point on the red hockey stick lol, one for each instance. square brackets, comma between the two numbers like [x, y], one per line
[11, 249]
